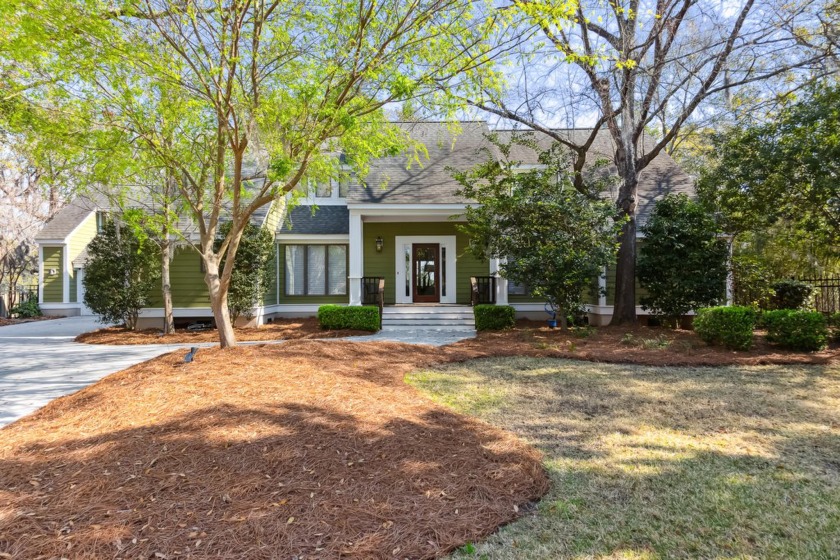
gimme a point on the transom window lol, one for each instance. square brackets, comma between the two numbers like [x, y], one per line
[316, 270]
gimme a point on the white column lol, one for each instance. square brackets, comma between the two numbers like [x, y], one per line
[40, 274]
[356, 258]
[501, 283]
[65, 253]
[602, 288]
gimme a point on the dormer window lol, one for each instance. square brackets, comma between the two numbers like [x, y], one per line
[324, 189]
[331, 190]
[101, 220]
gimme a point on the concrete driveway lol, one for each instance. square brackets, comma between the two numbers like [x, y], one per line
[39, 361]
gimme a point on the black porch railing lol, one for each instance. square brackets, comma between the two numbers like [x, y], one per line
[482, 289]
[373, 293]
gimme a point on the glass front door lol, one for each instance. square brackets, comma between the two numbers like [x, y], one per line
[426, 272]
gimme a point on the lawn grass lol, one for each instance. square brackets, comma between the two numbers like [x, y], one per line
[654, 462]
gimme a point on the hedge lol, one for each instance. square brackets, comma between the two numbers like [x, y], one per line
[791, 294]
[834, 326]
[361, 318]
[797, 330]
[731, 327]
[490, 317]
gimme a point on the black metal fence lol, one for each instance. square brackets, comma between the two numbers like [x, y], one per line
[826, 293]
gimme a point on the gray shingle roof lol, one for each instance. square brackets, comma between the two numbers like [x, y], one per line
[397, 180]
[431, 182]
[324, 220]
[662, 176]
[67, 219]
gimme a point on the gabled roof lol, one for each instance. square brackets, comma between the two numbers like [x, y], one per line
[397, 180]
[67, 219]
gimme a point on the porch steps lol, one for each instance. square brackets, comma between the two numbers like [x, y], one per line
[448, 317]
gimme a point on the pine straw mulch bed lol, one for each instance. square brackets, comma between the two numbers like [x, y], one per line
[654, 346]
[308, 449]
[280, 329]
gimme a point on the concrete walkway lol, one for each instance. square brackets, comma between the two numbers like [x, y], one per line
[39, 360]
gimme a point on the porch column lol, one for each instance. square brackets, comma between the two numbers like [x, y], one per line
[501, 283]
[356, 258]
[602, 288]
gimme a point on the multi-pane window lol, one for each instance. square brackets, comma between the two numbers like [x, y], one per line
[324, 189]
[515, 289]
[316, 270]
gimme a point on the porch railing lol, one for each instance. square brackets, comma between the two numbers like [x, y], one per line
[373, 293]
[482, 290]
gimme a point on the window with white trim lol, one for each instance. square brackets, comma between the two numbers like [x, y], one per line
[515, 289]
[316, 270]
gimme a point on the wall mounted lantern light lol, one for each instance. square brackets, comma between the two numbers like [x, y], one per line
[379, 244]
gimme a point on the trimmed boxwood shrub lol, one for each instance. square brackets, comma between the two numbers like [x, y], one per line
[731, 327]
[360, 318]
[490, 317]
[791, 294]
[797, 330]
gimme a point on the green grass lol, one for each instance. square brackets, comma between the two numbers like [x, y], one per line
[649, 463]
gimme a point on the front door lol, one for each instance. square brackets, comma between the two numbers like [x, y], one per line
[426, 272]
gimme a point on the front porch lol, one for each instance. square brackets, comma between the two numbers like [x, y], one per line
[420, 257]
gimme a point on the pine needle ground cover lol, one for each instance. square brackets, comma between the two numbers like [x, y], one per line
[302, 450]
[662, 462]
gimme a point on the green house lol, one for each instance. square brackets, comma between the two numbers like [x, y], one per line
[397, 228]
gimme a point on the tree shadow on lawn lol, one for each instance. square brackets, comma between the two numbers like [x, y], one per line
[288, 461]
[666, 462]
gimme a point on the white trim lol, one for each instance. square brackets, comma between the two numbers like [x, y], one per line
[294, 308]
[40, 274]
[445, 241]
[357, 259]
[501, 282]
[50, 242]
[277, 272]
[291, 239]
[59, 305]
[65, 288]
[383, 209]
[157, 312]
[80, 294]
[424, 217]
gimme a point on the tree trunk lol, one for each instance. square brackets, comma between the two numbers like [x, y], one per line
[166, 286]
[564, 319]
[624, 309]
[219, 303]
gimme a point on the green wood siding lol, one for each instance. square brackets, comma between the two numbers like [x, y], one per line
[284, 299]
[187, 279]
[270, 295]
[53, 283]
[80, 238]
[382, 264]
[74, 274]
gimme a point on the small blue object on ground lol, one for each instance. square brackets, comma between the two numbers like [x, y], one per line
[191, 354]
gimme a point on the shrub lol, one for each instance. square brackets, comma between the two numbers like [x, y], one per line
[797, 330]
[27, 309]
[361, 318]
[682, 262]
[791, 294]
[731, 327]
[121, 274]
[833, 322]
[252, 269]
[752, 282]
[494, 317]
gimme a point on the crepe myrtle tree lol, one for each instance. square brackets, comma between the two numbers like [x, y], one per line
[121, 274]
[683, 261]
[244, 101]
[550, 235]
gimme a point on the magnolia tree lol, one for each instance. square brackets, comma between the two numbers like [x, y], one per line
[549, 235]
[240, 102]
